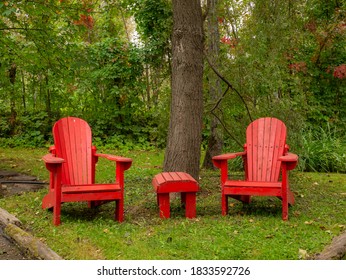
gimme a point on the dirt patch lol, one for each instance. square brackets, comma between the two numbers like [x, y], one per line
[12, 183]
[8, 250]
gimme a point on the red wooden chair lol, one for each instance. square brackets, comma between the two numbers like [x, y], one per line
[265, 158]
[71, 163]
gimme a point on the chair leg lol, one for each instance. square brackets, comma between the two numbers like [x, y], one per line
[190, 205]
[119, 210]
[57, 207]
[285, 211]
[224, 205]
[56, 214]
[164, 205]
[183, 200]
[284, 207]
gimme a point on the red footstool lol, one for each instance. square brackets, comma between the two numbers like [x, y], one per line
[170, 182]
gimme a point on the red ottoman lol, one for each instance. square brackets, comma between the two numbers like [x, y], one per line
[170, 182]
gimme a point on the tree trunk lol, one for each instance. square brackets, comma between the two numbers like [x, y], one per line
[48, 98]
[13, 118]
[23, 91]
[215, 138]
[185, 127]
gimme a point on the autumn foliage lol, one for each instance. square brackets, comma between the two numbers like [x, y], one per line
[85, 20]
[340, 71]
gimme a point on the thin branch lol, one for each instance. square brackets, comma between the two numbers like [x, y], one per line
[20, 28]
[230, 86]
[212, 111]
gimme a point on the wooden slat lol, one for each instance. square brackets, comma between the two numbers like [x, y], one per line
[91, 188]
[73, 151]
[59, 142]
[280, 139]
[266, 157]
[261, 184]
[250, 150]
[159, 179]
[272, 155]
[258, 191]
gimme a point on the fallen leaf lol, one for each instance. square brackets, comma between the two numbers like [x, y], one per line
[323, 228]
[296, 213]
[303, 254]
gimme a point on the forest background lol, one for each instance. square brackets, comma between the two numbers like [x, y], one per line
[109, 62]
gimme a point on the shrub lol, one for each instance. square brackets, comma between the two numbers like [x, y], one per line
[323, 150]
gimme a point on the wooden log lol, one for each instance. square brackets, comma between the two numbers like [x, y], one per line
[335, 251]
[30, 245]
[7, 218]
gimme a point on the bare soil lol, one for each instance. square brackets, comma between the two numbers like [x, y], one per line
[9, 250]
[12, 183]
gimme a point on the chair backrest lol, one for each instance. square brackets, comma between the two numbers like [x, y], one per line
[73, 142]
[265, 142]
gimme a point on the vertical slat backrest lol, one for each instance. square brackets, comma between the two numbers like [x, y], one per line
[265, 142]
[73, 142]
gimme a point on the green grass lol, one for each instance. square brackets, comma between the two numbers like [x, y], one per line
[254, 231]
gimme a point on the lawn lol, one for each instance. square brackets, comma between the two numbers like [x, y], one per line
[249, 232]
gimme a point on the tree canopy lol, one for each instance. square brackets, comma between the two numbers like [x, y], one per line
[109, 62]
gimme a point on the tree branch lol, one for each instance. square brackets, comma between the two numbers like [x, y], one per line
[220, 121]
[21, 28]
[229, 86]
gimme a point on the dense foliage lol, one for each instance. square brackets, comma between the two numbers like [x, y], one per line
[109, 63]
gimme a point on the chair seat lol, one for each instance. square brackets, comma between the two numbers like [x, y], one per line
[252, 188]
[91, 188]
[167, 182]
[231, 183]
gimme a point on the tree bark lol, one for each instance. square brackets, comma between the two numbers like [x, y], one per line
[215, 138]
[185, 127]
[13, 118]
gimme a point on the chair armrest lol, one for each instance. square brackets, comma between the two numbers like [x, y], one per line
[125, 162]
[290, 159]
[217, 160]
[53, 163]
[51, 159]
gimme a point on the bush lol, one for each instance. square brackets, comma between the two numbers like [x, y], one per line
[32, 130]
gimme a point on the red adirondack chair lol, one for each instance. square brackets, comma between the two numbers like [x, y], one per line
[71, 163]
[266, 161]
